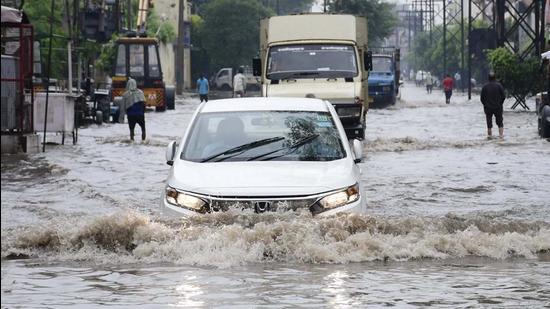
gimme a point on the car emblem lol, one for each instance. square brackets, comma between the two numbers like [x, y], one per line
[262, 206]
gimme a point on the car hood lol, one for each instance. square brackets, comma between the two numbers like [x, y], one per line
[263, 178]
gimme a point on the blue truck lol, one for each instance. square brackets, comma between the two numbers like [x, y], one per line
[384, 78]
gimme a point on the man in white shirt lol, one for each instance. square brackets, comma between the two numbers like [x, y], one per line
[239, 84]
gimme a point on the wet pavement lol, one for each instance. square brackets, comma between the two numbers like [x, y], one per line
[454, 220]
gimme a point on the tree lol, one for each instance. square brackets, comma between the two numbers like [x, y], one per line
[230, 33]
[381, 17]
[286, 7]
[519, 77]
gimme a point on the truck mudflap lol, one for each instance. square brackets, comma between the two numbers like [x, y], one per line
[356, 131]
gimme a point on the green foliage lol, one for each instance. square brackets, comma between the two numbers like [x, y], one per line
[107, 57]
[288, 6]
[381, 17]
[162, 30]
[38, 12]
[230, 32]
[520, 78]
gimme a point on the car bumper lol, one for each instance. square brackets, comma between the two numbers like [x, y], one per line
[169, 210]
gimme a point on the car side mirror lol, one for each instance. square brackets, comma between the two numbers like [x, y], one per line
[358, 150]
[171, 152]
[257, 66]
[367, 60]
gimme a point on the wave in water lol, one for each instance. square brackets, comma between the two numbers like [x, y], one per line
[234, 238]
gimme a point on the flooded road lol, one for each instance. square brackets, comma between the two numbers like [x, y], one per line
[453, 220]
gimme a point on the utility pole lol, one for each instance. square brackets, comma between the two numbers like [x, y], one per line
[129, 15]
[179, 52]
[444, 37]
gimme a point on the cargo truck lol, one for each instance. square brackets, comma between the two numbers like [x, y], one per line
[317, 55]
[384, 78]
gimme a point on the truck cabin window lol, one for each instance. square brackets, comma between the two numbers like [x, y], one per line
[120, 69]
[381, 64]
[154, 70]
[311, 61]
[136, 60]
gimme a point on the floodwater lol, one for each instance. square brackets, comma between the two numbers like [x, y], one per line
[454, 220]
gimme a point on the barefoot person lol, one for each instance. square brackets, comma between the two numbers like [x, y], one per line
[492, 98]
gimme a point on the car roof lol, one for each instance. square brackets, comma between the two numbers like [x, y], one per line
[265, 104]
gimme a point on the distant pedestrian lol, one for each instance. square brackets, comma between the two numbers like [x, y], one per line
[429, 82]
[411, 75]
[133, 104]
[458, 79]
[492, 98]
[448, 88]
[203, 88]
[239, 84]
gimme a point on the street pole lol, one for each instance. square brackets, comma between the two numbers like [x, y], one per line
[469, 81]
[48, 73]
[462, 44]
[444, 37]
[179, 51]
[129, 15]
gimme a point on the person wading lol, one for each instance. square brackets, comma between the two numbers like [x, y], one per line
[492, 98]
[448, 88]
[203, 88]
[133, 104]
[429, 83]
[239, 84]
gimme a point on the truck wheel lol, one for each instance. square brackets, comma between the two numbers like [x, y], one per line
[160, 108]
[98, 117]
[170, 97]
[544, 123]
[225, 87]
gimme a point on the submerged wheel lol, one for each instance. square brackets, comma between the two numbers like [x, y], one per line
[544, 123]
[98, 117]
[160, 108]
[170, 97]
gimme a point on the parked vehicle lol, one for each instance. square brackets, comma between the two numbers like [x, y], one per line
[384, 78]
[318, 55]
[264, 154]
[223, 79]
[543, 101]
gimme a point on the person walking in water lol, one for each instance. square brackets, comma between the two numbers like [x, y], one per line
[239, 84]
[203, 88]
[448, 88]
[429, 83]
[492, 98]
[133, 104]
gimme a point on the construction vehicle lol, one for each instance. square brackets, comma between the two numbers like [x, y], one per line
[318, 55]
[384, 78]
[137, 57]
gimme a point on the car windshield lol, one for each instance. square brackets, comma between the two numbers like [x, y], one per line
[381, 64]
[311, 61]
[263, 135]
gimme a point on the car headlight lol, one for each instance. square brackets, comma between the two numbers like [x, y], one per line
[182, 199]
[354, 111]
[340, 198]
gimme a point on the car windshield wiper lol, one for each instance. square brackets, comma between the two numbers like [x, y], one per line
[289, 149]
[242, 148]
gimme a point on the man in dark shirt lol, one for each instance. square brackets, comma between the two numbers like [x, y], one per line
[492, 98]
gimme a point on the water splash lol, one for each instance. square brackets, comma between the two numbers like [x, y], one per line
[232, 238]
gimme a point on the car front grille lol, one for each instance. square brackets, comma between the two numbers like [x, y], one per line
[261, 204]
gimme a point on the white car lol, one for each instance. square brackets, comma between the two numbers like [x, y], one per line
[264, 154]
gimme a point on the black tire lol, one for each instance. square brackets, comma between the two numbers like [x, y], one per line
[170, 97]
[225, 87]
[98, 117]
[160, 108]
[544, 123]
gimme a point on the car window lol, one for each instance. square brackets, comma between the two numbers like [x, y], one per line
[214, 133]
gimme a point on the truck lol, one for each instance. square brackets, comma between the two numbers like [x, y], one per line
[384, 78]
[318, 55]
[223, 79]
